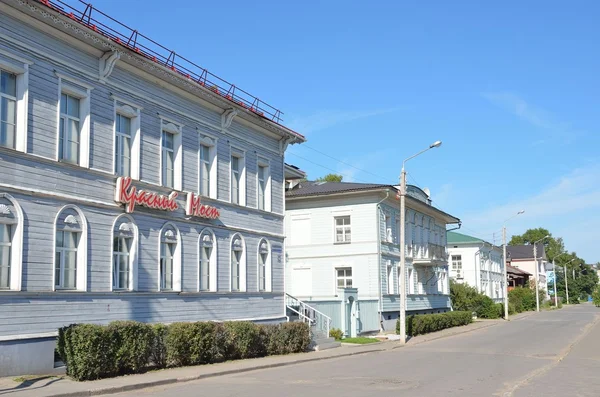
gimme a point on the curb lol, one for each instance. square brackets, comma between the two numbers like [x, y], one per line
[145, 385]
[447, 336]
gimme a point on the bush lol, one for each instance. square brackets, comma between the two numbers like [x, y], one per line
[96, 351]
[425, 323]
[485, 307]
[463, 296]
[596, 296]
[522, 298]
[336, 333]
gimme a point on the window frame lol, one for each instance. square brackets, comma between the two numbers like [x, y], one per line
[82, 91]
[267, 271]
[457, 265]
[19, 67]
[345, 232]
[177, 261]
[267, 199]
[132, 231]
[210, 142]
[390, 277]
[241, 264]
[82, 247]
[241, 156]
[212, 262]
[133, 112]
[345, 277]
[176, 130]
[388, 228]
[16, 243]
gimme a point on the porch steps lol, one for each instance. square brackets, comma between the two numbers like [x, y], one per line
[319, 323]
[322, 342]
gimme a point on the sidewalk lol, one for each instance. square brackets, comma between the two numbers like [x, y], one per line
[54, 386]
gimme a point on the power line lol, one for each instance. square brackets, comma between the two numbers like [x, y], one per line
[325, 167]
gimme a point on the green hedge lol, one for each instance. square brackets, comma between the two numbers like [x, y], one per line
[425, 323]
[522, 299]
[126, 347]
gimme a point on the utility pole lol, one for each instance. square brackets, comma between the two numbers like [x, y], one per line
[566, 284]
[537, 289]
[555, 296]
[505, 274]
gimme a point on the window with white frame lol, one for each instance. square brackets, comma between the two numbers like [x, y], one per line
[123, 140]
[73, 145]
[124, 264]
[14, 82]
[8, 109]
[264, 185]
[411, 281]
[70, 252]
[238, 264]
[342, 229]
[11, 243]
[264, 266]
[207, 172]
[388, 228]
[390, 277]
[208, 262]
[343, 277]
[238, 178]
[457, 266]
[169, 266]
[398, 230]
[171, 157]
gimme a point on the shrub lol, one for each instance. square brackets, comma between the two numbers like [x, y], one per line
[133, 343]
[289, 338]
[243, 340]
[596, 296]
[191, 344]
[158, 351]
[523, 299]
[425, 323]
[88, 351]
[336, 333]
[463, 296]
[486, 308]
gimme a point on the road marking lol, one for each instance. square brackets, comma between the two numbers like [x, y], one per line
[508, 392]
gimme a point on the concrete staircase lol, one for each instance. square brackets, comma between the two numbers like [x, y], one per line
[320, 324]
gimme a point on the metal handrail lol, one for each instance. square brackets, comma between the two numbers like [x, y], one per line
[308, 319]
[103, 24]
[304, 306]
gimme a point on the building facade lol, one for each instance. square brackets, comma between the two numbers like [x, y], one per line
[477, 263]
[522, 257]
[132, 188]
[342, 253]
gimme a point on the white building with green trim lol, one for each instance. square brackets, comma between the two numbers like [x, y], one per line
[343, 253]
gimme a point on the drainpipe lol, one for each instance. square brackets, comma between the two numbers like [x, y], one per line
[477, 275]
[387, 194]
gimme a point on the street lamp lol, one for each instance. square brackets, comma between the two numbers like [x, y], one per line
[402, 243]
[567, 284]
[537, 281]
[504, 264]
[554, 270]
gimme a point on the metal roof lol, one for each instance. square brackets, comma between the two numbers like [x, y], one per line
[459, 238]
[525, 251]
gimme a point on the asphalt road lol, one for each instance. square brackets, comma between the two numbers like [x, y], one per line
[547, 354]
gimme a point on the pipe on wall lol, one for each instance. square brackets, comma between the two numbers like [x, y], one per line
[387, 195]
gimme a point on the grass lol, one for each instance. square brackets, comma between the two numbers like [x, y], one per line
[361, 340]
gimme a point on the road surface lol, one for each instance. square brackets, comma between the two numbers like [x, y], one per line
[547, 354]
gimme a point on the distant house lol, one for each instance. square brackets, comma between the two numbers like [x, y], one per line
[522, 258]
[476, 262]
[517, 277]
[343, 253]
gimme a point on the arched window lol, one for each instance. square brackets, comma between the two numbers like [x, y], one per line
[169, 265]
[70, 249]
[238, 264]
[11, 243]
[207, 265]
[264, 266]
[125, 253]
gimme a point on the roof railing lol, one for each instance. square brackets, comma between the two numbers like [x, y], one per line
[125, 36]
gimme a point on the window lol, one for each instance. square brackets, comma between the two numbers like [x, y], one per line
[70, 252]
[5, 255]
[14, 90]
[344, 277]
[8, 109]
[236, 180]
[388, 228]
[398, 230]
[170, 259]
[457, 265]
[411, 281]
[69, 129]
[205, 166]
[123, 145]
[207, 270]
[124, 257]
[171, 158]
[238, 264]
[264, 266]
[168, 159]
[342, 229]
[66, 259]
[390, 277]
[263, 185]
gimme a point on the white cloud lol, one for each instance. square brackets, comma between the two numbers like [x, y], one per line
[329, 118]
[559, 208]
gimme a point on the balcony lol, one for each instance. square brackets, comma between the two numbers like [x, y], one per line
[429, 255]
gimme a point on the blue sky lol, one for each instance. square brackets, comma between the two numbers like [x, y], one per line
[511, 90]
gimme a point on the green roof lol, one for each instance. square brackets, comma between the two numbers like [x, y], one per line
[459, 238]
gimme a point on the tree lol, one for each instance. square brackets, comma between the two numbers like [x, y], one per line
[552, 246]
[330, 178]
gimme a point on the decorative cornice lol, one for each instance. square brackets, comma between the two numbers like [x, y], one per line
[227, 118]
[165, 72]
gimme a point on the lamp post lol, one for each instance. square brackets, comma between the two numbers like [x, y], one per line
[504, 263]
[537, 281]
[567, 284]
[402, 278]
[554, 270]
